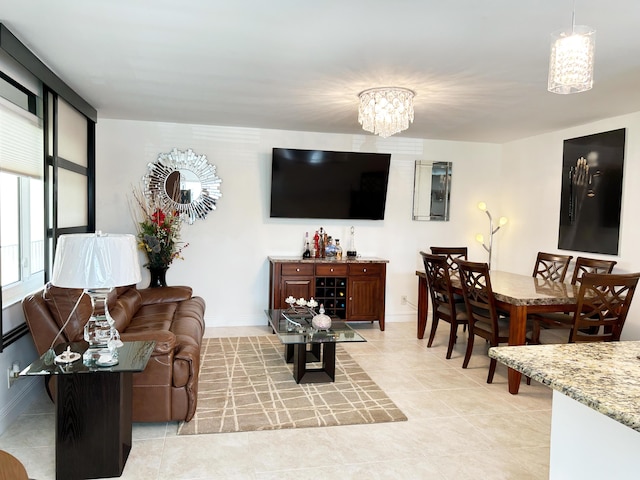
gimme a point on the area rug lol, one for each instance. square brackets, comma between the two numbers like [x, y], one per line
[245, 385]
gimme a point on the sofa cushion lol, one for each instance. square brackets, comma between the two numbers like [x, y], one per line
[158, 316]
[165, 294]
[127, 304]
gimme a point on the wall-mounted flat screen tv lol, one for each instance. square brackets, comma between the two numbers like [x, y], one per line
[331, 185]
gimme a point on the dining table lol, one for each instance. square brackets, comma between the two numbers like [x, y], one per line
[520, 295]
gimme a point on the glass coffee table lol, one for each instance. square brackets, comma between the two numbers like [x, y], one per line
[305, 344]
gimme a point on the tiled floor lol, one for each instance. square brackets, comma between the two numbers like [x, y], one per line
[459, 427]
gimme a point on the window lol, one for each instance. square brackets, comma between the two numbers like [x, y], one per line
[21, 197]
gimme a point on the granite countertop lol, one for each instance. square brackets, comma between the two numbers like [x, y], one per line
[603, 376]
[299, 259]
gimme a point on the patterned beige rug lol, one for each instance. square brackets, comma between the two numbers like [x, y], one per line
[245, 385]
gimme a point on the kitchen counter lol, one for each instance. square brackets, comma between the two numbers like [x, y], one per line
[602, 376]
[595, 416]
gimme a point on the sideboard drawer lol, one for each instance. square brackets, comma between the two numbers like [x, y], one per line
[297, 269]
[366, 268]
[328, 270]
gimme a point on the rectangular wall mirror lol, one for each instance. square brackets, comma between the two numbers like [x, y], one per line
[432, 190]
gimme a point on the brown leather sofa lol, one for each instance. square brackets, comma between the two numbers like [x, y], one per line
[167, 389]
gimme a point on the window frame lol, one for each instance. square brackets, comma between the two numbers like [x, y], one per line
[14, 48]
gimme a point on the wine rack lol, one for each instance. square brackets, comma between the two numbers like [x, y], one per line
[332, 293]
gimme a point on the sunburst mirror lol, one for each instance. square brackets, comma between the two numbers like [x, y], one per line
[183, 182]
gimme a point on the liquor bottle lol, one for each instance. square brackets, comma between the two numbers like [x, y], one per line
[351, 248]
[338, 250]
[330, 248]
[306, 253]
[316, 244]
[321, 245]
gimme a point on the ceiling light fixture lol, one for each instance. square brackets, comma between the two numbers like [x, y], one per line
[386, 111]
[571, 61]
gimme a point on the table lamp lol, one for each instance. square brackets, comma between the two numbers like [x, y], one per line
[97, 263]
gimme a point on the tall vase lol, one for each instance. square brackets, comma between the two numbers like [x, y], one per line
[158, 276]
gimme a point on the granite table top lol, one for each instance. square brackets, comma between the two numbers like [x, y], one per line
[602, 376]
[517, 289]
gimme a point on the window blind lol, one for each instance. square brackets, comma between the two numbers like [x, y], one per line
[21, 141]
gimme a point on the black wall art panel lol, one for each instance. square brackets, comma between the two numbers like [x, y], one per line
[591, 197]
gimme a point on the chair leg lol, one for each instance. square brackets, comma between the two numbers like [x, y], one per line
[492, 370]
[453, 333]
[467, 355]
[434, 326]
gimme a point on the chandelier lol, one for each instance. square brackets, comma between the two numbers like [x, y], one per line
[385, 111]
[571, 61]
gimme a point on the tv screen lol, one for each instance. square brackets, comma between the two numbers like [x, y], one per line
[331, 185]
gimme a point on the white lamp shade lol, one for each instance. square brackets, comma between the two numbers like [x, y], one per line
[97, 260]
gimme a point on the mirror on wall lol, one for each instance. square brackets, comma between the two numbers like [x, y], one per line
[432, 190]
[184, 182]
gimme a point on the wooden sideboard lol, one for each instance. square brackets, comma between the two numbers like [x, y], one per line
[353, 290]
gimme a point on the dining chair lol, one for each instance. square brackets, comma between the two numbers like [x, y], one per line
[11, 468]
[551, 266]
[482, 314]
[452, 254]
[590, 265]
[601, 310]
[442, 302]
[603, 304]
[565, 320]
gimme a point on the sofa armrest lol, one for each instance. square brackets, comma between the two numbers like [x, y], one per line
[165, 294]
[165, 340]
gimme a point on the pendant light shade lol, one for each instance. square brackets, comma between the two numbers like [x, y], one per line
[571, 60]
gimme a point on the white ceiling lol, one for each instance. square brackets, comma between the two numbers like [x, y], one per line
[479, 67]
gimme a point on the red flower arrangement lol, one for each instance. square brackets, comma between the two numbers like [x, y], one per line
[159, 234]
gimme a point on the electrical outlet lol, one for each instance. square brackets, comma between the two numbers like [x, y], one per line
[403, 300]
[12, 373]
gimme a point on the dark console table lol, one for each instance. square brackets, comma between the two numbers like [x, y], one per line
[93, 411]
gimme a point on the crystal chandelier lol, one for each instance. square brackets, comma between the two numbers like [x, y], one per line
[571, 61]
[385, 111]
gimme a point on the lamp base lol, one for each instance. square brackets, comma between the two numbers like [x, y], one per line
[101, 333]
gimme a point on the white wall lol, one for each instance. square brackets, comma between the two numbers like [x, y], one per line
[226, 261]
[530, 193]
[15, 400]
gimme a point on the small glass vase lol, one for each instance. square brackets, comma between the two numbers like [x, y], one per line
[158, 277]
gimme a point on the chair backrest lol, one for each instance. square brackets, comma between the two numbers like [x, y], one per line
[452, 254]
[437, 272]
[590, 265]
[603, 304]
[11, 468]
[551, 266]
[478, 295]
